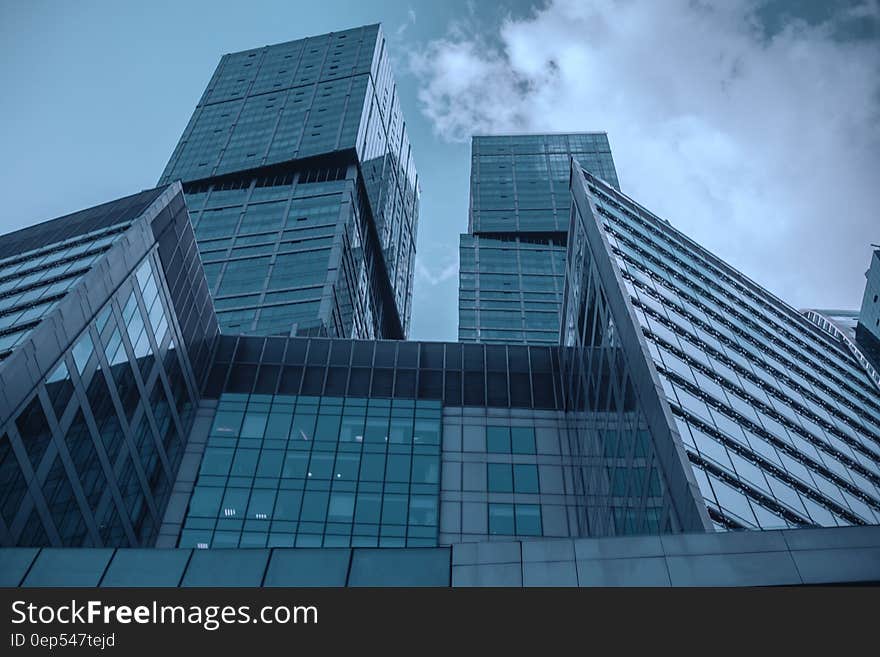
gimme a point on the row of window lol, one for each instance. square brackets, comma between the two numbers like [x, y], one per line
[783, 329]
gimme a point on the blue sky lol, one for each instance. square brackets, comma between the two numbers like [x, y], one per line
[737, 121]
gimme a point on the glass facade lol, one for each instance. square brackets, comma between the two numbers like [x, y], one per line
[35, 274]
[326, 434]
[510, 290]
[869, 315]
[458, 375]
[221, 363]
[506, 475]
[626, 482]
[306, 471]
[292, 254]
[519, 183]
[512, 260]
[779, 421]
[89, 448]
[844, 321]
[511, 460]
[300, 176]
[868, 325]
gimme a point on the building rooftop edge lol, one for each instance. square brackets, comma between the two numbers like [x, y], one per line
[539, 134]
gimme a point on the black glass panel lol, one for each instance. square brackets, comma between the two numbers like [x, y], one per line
[496, 358]
[359, 382]
[34, 431]
[267, 379]
[432, 356]
[273, 350]
[296, 352]
[340, 353]
[362, 354]
[241, 378]
[385, 354]
[318, 350]
[474, 389]
[383, 382]
[473, 357]
[249, 350]
[313, 381]
[452, 389]
[12, 483]
[337, 381]
[407, 354]
[405, 384]
[430, 384]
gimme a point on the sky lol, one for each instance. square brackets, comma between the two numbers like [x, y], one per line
[751, 125]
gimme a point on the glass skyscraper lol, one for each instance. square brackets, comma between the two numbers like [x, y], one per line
[167, 381]
[301, 186]
[867, 328]
[108, 324]
[512, 259]
[775, 417]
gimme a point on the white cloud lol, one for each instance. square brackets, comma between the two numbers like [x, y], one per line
[765, 149]
[410, 20]
[437, 276]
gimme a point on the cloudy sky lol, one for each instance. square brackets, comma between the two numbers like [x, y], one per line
[753, 126]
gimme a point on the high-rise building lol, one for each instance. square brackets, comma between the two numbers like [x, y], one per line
[869, 315]
[129, 421]
[844, 321]
[151, 395]
[302, 190]
[512, 259]
[776, 418]
[107, 326]
[867, 328]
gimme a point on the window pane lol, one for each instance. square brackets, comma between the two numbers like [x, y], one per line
[423, 510]
[501, 519]
[498, 440]
[216, 461]
[425, 470]
[528, 520]
[523, 440]
[341, 507]
[347, 467]
[500, 477]
[525, 477]
[398, 468]
[295, 465]
[270, 463]
[368, 507]
[373, 467]
[261, 504]
[254, 425]
[245, 463]
[314, 506]
[205, 502]
[287, 505]
[427, 432]
[235, 502]
[394, 509]
[321, 466]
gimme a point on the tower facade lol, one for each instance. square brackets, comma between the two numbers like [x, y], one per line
[205, 365]
[867, 324]
[302, 189]
[512, 259]
[108, 331]
[777, 417]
